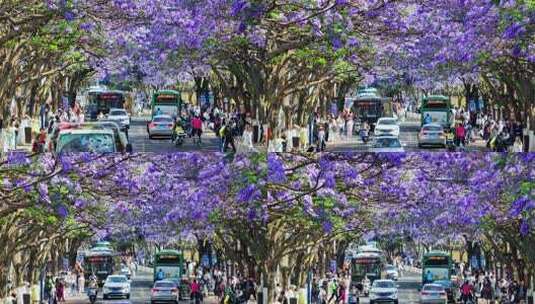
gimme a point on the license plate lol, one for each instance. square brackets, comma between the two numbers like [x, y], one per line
[161, 127]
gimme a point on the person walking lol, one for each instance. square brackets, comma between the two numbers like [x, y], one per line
[228, 134]
[81, 283]
[349, 125]
[196, 124]
[60, 291]
[247, 138]
[466, 292]
[486, 291]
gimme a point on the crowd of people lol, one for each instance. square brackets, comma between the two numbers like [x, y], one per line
[500, 135]
[234, 130]
[483, 287]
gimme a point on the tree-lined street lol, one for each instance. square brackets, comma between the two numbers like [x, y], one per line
[270, 218]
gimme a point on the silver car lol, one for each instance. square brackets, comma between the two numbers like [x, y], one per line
[433, 294]
[431, 135]
[116, 286]
[161, 125]
[120, 116]
[165, 291]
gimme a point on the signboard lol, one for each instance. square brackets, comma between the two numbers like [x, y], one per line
[366, 260]
[109, 96]
[438, 258]
[97, 259]
[168, 258]
[164, 96]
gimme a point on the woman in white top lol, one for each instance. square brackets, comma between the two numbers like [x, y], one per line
[518, 146]
[247, 138]
[349, 131]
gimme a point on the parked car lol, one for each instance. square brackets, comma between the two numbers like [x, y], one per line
[164, 291]
[116, 286]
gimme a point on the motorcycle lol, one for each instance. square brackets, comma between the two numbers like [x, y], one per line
[180, 136]
[92, 293]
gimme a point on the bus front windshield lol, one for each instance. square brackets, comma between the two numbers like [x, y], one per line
[436, 274]
[365, 269]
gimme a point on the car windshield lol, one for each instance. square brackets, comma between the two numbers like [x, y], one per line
[387, 122]
[386, 142]
[118, 113]
[162, 119]
[433, 288]
[117, 279]
[164, 284]
[433, 128]
[383, 284]
[390, 268]
[92, 142]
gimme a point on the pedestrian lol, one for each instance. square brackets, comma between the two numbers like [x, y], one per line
[196, 124]
[517, 145]
[486, 291]
[322, 295]
[81, 283]
[247, 138]
[321, 139]
[460, 134]
[60, 290]
[195, 291]
[349, 125]
[228, 135]
[333, 290]
[466, 292]
[427, 119]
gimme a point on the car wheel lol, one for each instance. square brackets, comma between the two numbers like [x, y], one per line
[128, 296]
[105, 297]
[371, 302]
[395, 301]
[150, 136]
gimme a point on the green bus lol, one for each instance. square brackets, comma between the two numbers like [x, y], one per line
[171, 262]
[439, 108]
[167, 102]
[367, 264]
[436, 266]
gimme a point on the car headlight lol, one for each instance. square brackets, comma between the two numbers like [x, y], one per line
[373, 295]
[105, 289]
[395, 295]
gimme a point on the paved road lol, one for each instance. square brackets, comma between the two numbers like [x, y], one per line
[408, 137]
[140, 293]
[141, 143]
[407, 290]
[210, 143]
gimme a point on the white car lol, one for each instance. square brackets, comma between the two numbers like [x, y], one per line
[387, 144]
[392, 272]
[384, 291]
[116, 286]
[433, 294]
[387, 126]
[120, 116]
